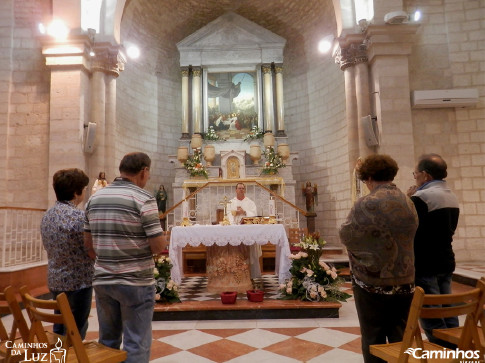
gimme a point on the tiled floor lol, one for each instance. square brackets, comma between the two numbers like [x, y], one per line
[279, 341]
[265, 340]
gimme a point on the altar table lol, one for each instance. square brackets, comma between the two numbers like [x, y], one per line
[233, 235]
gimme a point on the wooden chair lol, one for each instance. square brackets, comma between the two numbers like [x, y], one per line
[464, 303]
[455, 335]
[19, 326]
[77, 351]
[10, 305]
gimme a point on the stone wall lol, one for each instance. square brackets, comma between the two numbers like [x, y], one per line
[316, 128]
[450, 53]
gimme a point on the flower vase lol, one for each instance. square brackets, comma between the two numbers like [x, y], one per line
[255, 153]
[209, 154]
[182, 154]
[284, 152]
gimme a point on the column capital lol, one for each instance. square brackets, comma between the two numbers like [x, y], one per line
[196, 71]
[351, 50]
[390, 40]
[108, 59]
[72, 53]
[278, 67]
[266, 68]
[184, 71]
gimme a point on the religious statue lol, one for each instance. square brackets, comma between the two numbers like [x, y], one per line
[311, 196]
[161, 197]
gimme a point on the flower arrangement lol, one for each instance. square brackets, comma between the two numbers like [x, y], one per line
[165, 289]
[312, 279]
[194, 164]
[254, 134]
[212, 135]
[273, 162]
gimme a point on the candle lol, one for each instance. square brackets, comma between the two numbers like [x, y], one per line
[272, 208]
[185, 209]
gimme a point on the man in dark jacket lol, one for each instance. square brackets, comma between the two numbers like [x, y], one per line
[438, 214]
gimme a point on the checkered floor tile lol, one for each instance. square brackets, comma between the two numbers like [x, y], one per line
[194, 288]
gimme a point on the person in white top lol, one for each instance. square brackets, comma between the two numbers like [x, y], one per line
[100, 183]
[241, 206]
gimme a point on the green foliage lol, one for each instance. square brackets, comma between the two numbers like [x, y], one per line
[254, 134]
[166, 290]
[273, 162]
[194, 164]
[312, 279]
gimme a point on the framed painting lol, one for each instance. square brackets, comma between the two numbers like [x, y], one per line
[232, 105]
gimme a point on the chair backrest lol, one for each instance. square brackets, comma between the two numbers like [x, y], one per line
[44, 311]
[439, 306]
[295, 234]
[16, 311]
[4, 310]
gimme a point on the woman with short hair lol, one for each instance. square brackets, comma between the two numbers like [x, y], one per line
[70, 269]
[379, 234]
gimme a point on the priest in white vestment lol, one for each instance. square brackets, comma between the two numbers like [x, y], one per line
[241, 206]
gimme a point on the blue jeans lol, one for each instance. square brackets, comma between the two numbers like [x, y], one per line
[125, 313]
[437, 284]
[80, 302]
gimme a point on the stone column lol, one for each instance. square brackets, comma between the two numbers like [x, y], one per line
[98, 115]
[196, 100]
[185, 102]
[69, 110]
[106, 67]
[111, 168]
[268, 97]
[388, 51]
[363, 96]
[280, 106]
[346, 62]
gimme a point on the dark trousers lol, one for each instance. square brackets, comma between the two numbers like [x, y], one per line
[382, 318]
[437, 284]
[80, 302]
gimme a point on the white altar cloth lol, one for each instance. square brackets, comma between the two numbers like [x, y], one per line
[234, 235]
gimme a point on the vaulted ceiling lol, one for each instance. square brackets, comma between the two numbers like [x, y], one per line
[160, 24]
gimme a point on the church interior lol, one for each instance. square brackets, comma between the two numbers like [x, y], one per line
[218, 92]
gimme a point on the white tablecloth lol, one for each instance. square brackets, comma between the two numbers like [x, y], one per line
[233, 235]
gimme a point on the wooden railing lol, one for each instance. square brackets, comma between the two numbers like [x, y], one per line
[287, 212]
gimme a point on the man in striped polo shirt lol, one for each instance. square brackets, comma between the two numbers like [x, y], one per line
[122, 231]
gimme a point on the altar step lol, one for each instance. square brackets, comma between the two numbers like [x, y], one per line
[198, 304]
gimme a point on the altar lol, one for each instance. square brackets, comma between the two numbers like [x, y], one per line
[233, 235]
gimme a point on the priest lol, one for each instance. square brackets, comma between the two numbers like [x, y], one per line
[241, 206]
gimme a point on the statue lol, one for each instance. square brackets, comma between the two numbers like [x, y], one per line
[311, 196]
[161, 197]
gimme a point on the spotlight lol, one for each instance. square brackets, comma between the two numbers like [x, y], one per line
[133, 52]
[58, 29]
[417, 15]
[325, 44]
[41, 28]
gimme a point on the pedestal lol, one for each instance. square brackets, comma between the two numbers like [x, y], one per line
[310, 222]
[228, 269]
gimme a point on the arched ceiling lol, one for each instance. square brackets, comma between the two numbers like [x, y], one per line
[159, 25]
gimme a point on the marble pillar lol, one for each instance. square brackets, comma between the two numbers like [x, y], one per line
[196, 100]
[185, 102]
[280, 107]
[268, 97]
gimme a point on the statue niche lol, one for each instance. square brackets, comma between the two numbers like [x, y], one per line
[233, 164]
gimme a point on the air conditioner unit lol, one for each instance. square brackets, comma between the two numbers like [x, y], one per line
[445, 98]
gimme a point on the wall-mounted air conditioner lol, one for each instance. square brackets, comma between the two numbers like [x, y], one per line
[445, 98]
